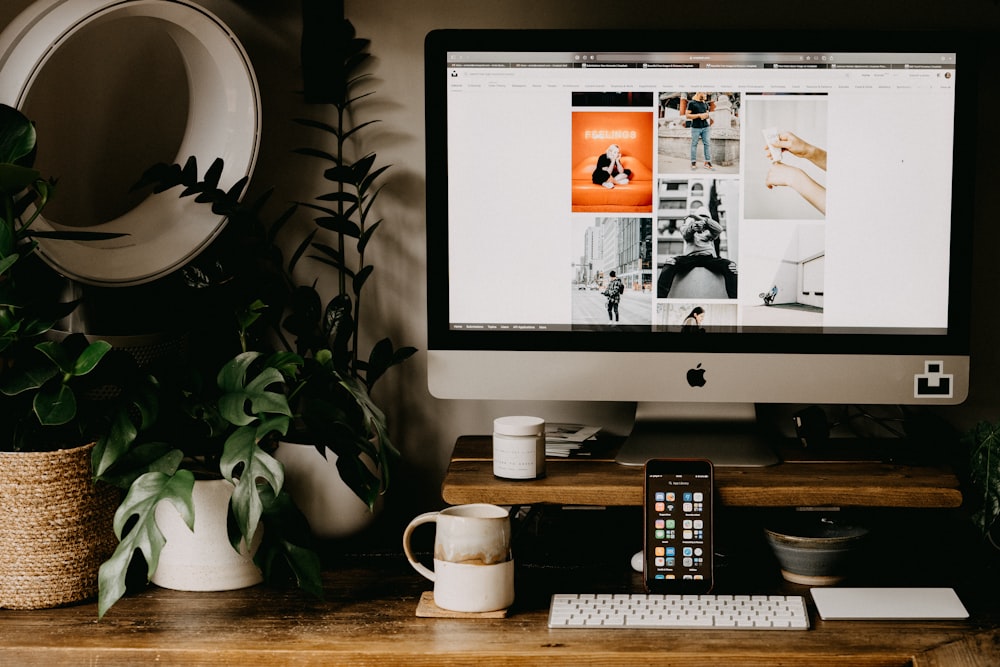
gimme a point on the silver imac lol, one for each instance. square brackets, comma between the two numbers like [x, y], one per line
[698, 223]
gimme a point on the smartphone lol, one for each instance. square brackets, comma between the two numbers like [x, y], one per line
[678, 542]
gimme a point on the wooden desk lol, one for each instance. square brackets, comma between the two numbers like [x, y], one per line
[601, 481]
[368, 619]
[369, 614]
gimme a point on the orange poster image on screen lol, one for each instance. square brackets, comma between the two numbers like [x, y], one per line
[627, 186]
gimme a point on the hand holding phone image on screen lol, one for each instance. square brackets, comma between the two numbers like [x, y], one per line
[678, 526]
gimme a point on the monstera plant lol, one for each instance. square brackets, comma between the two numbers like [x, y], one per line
[186, 427]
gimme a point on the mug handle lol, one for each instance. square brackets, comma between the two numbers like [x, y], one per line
[426, 517]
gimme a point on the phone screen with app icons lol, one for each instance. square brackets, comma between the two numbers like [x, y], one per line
[677, 552]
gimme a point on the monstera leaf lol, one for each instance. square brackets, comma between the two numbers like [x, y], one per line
[247, 466]
[135, 526]
[258, 411]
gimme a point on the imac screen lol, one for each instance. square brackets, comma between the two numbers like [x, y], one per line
[679, 218]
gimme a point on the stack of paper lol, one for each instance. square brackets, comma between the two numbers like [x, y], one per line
[562, 440]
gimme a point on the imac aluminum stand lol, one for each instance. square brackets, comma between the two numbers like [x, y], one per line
[728, 435]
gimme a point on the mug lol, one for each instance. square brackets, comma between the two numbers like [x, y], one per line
[473, 567]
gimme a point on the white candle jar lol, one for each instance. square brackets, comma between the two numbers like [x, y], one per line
[519, 447]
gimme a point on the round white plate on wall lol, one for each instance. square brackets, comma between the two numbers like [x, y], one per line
[115, 86]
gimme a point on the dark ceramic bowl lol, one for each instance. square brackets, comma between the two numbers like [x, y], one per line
[816, 551]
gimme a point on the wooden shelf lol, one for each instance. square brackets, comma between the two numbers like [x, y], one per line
[804, 483]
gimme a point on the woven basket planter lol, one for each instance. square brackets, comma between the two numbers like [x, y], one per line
[56, 528]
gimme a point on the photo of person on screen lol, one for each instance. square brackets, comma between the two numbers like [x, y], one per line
[698, 113]
[611, 159]
[700, 233]
[785, 175]
[614, 295]
[692, 323]
[787, 179]
[609, 170]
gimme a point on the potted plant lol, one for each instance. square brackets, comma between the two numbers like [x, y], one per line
[982, 444]
[190, 429]
[50, 419]
[338, 413]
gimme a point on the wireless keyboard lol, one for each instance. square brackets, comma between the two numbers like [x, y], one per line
[773, 612]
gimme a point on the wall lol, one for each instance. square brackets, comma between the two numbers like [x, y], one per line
[425, 428]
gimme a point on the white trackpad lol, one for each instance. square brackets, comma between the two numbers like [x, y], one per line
[883, 604]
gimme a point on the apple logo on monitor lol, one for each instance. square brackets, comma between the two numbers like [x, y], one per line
[696, 376]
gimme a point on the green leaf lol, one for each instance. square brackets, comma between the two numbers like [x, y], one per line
[360, 169]
[55, 404]
[366, 237]
[315, 152]
[245, 464]
[340, 174]
[359, 478]
[346, 197]
[300, 250]
[230, 377]
[233, 403]
[341, 224]
[8, 246]
[286, 363]
[144, 535]
[139, 413]
[383, 357]
[286, 541]
[361, 278]
[114, 443]
[376, 424]
[983, 443]
[245, 317]
[147, 457]
[59, 354]
[306, 566]
[21, 379]
[360, 126]
[90, 357]
[326, 210]
[17, 139]
[370, 179]
[332, 255]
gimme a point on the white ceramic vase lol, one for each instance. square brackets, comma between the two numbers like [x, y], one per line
[204, 560]
[314, 483]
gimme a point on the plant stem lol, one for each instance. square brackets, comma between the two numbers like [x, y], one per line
[353, 346]
[340, 191]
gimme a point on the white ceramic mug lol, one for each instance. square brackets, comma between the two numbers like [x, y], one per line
[473, 567]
